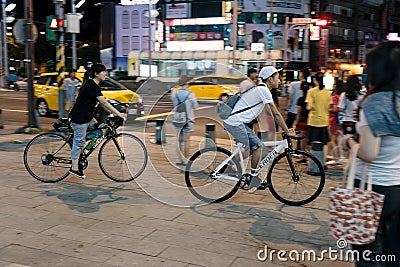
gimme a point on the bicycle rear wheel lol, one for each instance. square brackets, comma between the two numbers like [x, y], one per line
[206, 187]
[289, 190]
[124, 158]
[47, 157]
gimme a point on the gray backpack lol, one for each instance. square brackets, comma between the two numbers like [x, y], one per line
[224, 108]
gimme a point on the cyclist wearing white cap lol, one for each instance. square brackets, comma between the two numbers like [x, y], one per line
[258, 98]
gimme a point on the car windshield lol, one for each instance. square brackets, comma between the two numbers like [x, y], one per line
[109, 84]
[230, 80]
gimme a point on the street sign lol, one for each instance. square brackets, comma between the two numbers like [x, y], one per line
[301, 20]
[20, 32]
[270, 34]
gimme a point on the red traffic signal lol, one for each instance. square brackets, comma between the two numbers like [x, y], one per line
[56, 23]
[321, 22]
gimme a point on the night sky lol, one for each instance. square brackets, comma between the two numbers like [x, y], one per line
[89, 22]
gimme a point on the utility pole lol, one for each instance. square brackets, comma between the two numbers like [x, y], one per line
[2, 83]
[4, 25]
[60, 57]
[270, 32]
[73, 35]
[234, 33]
[30, 59]
[149, 39]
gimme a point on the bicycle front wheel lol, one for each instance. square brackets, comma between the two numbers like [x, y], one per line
[47, 157]
[205, 183]
[123, 158]
[291, 181]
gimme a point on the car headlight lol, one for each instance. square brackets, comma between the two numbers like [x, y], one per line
[140, 101]
[113, 101]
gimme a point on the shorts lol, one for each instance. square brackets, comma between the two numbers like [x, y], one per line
[318, 134]
[243, 134]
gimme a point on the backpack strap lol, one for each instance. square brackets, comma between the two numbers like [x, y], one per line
[246, 108]
[179, 101]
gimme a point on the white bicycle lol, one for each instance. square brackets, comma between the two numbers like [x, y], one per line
[215, 174]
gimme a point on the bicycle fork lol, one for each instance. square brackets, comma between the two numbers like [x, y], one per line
[295, 175]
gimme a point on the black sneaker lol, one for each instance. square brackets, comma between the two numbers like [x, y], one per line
[78, 173]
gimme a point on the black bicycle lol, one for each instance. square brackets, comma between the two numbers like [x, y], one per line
[122, 156]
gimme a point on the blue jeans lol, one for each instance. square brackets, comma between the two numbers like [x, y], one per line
[79, 139]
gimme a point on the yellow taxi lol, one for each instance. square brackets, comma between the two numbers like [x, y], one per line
[124, 100]
[214, 87]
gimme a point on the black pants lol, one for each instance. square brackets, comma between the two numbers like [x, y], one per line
[387, 240]
[290, 119]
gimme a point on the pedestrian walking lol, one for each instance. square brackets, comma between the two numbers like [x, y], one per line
[379, 139]
[71, 85]
[349, 102]
[82, 112]
[184, 105]
[318, 101]
[295, 92]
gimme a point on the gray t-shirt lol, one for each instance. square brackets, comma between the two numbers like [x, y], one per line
[296, 93]
[378, 113]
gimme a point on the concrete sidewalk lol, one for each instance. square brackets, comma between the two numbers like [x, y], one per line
[97, 222]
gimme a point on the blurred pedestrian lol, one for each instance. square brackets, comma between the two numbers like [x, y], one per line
[349, 102]
[333, 128]
[184, 104]
[71, 84]
[302, 117]
[318, 101]
[82, 113]
[379, 139]
[295, 92]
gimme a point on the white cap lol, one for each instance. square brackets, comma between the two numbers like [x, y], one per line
[267, 72]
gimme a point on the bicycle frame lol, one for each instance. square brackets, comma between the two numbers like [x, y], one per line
[279, 145]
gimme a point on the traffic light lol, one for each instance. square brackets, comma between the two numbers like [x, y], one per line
[53, 27]
[283, 77]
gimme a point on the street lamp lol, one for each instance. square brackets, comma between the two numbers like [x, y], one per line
[151, 13]
[4, 22]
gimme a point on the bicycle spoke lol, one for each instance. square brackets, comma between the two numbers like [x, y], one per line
[123, 169]
[207, 185]
[291, 192]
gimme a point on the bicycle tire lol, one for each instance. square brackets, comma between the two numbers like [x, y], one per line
[39, 158]
[290, 192]
[130, 167]
[195, 169]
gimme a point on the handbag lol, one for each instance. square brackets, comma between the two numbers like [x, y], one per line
[355, 212]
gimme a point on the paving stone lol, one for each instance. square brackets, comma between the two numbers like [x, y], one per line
[30, 256]
[135, 231]
[197, 256]
[21, 212]
[58, 218]
[75, 233]
[133, 245]
[164, 225]
[28, 239]
[184, 240]
[82, 250]
[135, 259]
[74, 262]
[23, 201]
